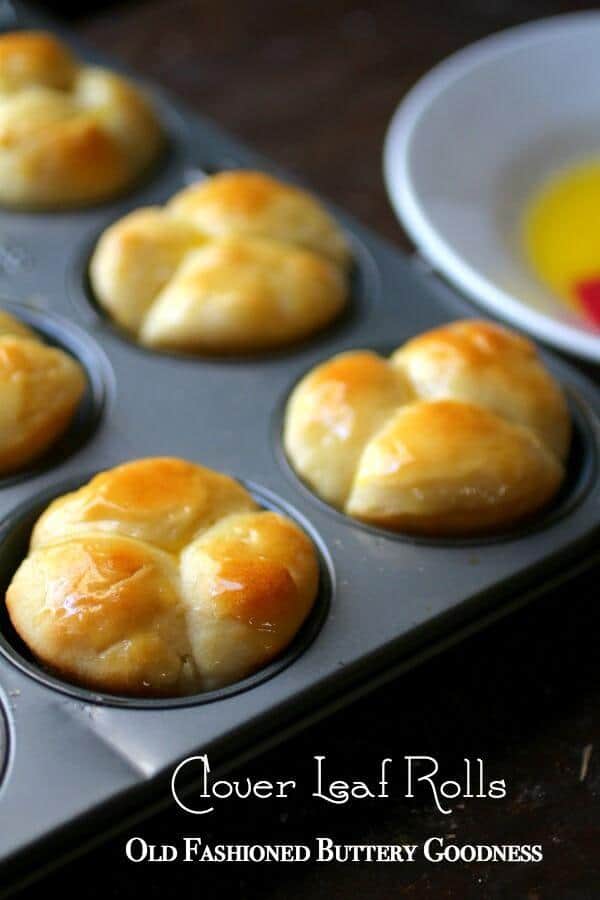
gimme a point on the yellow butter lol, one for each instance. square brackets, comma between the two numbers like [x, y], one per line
[561, 229]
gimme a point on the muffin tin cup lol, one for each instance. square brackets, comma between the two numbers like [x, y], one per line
[15, 533]
[4, 745]
[80, 761]
[94, 405]
[581, 471]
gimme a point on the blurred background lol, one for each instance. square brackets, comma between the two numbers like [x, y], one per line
[311, 84]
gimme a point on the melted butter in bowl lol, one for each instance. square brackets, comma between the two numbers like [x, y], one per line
[561, 237]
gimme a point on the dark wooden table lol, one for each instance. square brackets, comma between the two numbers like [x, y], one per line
[313, 85]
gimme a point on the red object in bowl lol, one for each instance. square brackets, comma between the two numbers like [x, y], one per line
[588, 292]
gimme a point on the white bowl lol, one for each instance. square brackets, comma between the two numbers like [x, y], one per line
[470, 142]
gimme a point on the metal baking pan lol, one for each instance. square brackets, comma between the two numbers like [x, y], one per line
[74, 763]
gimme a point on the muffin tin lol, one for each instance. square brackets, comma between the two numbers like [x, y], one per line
[79, 763]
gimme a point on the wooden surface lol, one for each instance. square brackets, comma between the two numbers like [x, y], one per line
[313, 85]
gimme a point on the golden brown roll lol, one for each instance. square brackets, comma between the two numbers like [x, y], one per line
[10, 325]
[481, 363]
[161, 577]
[40, 390]
[70, 134]
[238, 263]
[252, 204]
[463, 430]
